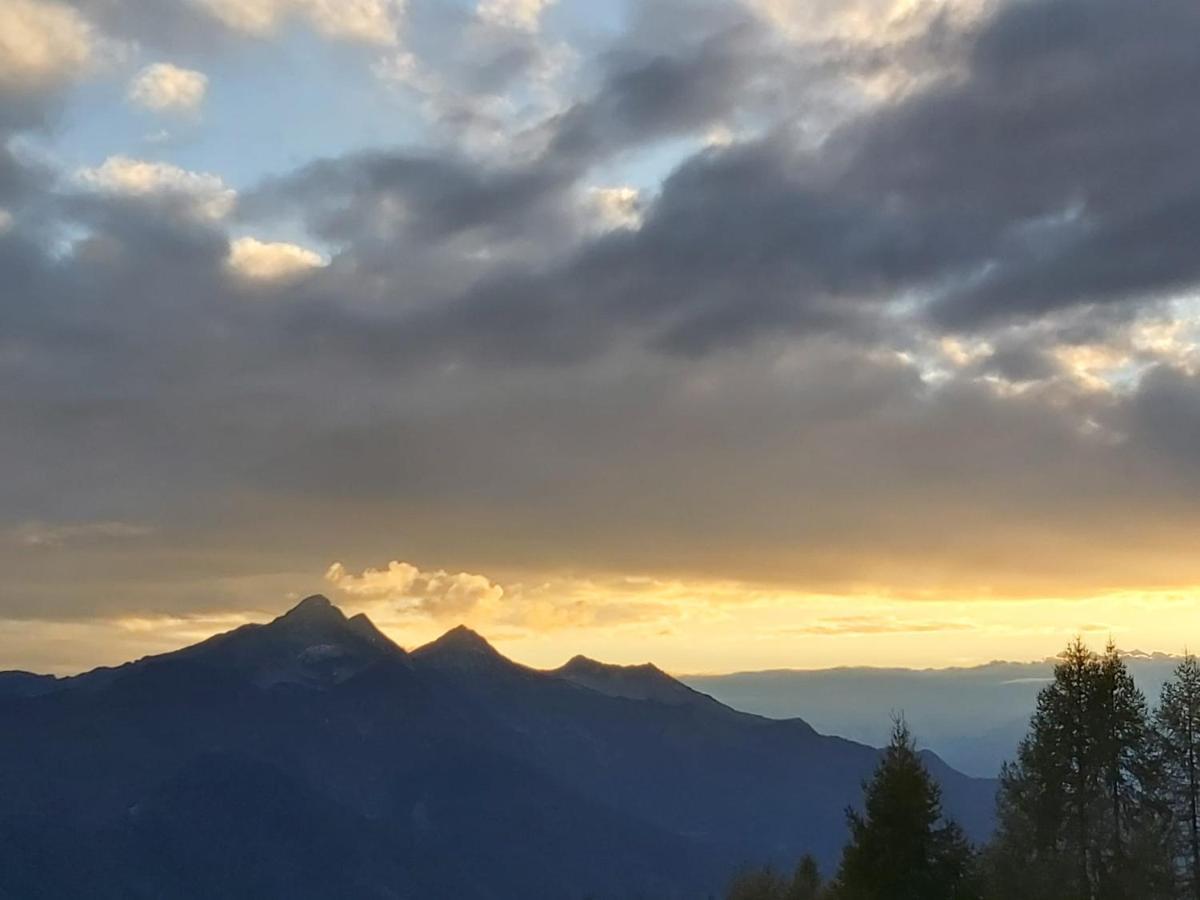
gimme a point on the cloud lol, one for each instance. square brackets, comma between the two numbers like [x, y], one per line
[273, 261]
[863, 21]
[651, 96]
[405, 588]
[363, 21]
[865, 625]
[163, 87]
[44, 535]
[42, 44]
[483, 87]
[201, 194]
[521, 14]
[402, 591]
[615, 207]
[933, 343]
[1041, 179]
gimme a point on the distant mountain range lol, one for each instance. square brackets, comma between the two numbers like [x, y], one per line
[972, 717]
[312, 757]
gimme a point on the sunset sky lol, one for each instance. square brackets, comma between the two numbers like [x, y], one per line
[730, 334]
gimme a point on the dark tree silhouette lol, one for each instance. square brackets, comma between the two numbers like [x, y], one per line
[806, 881]
[758, 884]
[1080, 810]
[901, 847]
[1178, 721]
[766, 884]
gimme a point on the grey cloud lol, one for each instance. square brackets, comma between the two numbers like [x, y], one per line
[170, 27]
[1019, 362]
[1057, 171]
[1165, 416]
[41, 534]
[1066, 144]
[408, 196]
[645, 99]
[479, 381]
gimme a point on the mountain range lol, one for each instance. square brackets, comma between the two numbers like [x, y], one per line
[313, 757]
[972, 716]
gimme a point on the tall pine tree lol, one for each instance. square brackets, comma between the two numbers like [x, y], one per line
[901, 847]
[1079, 811]
[1178, 720]
[1136, 823]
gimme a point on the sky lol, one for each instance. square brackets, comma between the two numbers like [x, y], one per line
[730, 334]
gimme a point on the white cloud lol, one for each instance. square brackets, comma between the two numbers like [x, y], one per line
[164, 87]
[42, 43]
[402, 591]
[720, 135]
[264, 261]
[6, 220]
[406, 588]
[614, 207]
[886, 34]
[524, 15]
[202, 194]
[864, 21]
[362, 21]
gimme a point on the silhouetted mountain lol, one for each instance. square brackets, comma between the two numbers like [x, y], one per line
[644, 682]
[313, 643]
[463, 649]
[26, 684]
[313, 757]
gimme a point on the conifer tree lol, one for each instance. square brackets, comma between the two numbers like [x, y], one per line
[901, 848]
[1136, 823]
[1178, 721]
[1080, 814]
[757, 884]
[806, 881]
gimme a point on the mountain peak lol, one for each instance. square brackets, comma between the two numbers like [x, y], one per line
[639, 682]
[585, 664]
[313, 643]
[463, 637]
[312, 602]
[460, 647]
[314, 609]
[462, 630]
